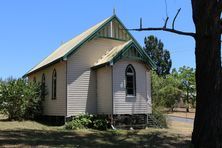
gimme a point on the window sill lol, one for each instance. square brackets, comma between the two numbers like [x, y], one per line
[130, 96]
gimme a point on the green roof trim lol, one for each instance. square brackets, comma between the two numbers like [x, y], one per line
[152, 64]
[92, 35]
[145, 57]
[73, 49]
[54, 62]
[112, 38]
[120, 55]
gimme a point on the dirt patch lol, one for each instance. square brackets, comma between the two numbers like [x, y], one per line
[181, 112]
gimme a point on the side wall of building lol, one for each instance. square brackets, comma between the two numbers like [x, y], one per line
[81, 80]
[52, 107]
[140, 104]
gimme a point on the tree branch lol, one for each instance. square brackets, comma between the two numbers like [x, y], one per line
[165, 29]
[141, 23]
[175, 18]
[165, 24]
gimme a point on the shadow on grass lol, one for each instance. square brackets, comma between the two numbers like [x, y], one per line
[4, 120]
[90, 139]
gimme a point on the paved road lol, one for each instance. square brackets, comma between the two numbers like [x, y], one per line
[180, 119]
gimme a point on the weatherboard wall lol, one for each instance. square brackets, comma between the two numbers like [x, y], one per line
[56, 107]
[131, 105]
[81, 80]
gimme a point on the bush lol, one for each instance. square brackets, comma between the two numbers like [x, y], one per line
[160, 117]
[74, 124]
[80, 122]
[100, 124]
[20, 99]
[87, 121]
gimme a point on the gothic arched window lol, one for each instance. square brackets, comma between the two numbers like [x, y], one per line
[43, 87]
[130, 81]
[54, 84]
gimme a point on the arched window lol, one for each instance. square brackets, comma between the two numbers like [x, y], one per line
[43, 87]
[54, 84]
[130, 81]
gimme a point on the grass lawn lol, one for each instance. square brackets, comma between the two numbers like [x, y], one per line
[30, 133]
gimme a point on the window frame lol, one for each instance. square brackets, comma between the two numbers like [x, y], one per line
[132, 74]
[54, 84]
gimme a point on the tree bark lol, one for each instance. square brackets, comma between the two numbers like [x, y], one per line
[207, 132]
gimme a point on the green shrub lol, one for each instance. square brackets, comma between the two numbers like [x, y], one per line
[20, 99]
[74, 124]
[80, 122]
[87, 121]
[100, 124]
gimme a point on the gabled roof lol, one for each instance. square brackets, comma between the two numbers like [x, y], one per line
[72, 45]
[67, 48]
[116, 53]
[109, 55]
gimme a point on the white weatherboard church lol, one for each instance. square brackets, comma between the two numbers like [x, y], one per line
[101, 71]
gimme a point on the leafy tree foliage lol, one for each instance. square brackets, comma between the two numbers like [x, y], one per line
[188, 85]
[160, 56]
[20, 99]
[175, 86]
[165, 91]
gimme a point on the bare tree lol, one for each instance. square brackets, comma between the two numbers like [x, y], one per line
[207, 132]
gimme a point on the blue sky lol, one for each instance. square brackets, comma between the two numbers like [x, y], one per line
[31, 30]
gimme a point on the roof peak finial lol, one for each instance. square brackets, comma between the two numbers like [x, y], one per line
[114, 11]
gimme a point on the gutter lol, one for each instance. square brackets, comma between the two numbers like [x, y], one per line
[43, 67]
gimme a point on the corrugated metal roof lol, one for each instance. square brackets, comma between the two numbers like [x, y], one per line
[109, 55]
[67, 47]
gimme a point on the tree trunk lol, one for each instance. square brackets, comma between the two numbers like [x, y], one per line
[207, 132]
[187, 101]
